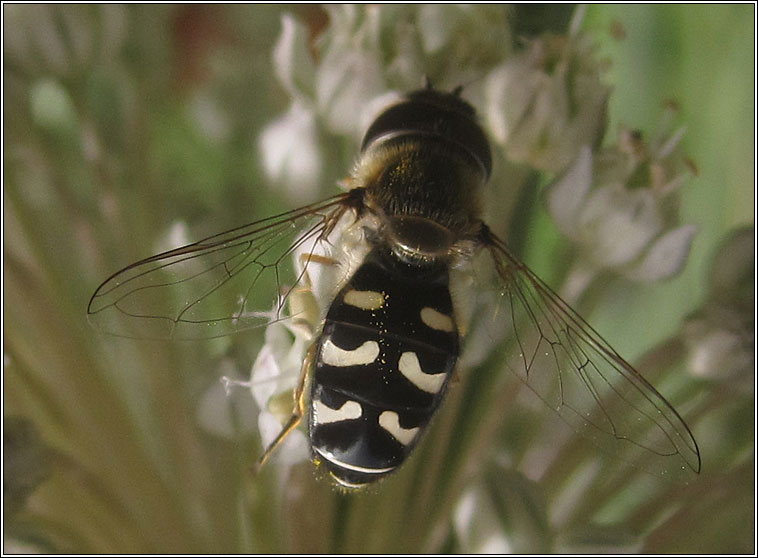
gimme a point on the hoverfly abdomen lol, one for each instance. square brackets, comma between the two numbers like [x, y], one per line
[385, 356]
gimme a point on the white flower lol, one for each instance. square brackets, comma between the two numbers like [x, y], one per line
[546, 102]
[290, 152]
[368, 54]
[350, 72]
[619, 206]
[273, 380]
[292, 61]
[720, 337]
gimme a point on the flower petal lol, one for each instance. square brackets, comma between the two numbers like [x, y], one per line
[566, 196]
[290, 152]
[665, 257]
[618, 223]
[293, 63]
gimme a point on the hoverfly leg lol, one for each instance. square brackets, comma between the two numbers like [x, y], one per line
[297, 412]
[303, 305]
[300, 303]
[316, 258]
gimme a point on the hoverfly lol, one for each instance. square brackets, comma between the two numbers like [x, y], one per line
[390, 339]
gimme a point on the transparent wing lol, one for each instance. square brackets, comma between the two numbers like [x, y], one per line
[577, 374]
[217, 286]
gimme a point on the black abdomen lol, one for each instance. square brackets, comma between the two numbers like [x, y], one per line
[384, 359]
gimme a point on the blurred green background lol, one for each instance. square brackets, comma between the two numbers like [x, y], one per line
[670, 53]
[120, 121]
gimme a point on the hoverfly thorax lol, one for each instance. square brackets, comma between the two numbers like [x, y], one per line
[423, 162]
